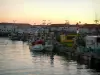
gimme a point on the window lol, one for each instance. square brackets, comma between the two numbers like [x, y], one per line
[98, 39]
[70, 37]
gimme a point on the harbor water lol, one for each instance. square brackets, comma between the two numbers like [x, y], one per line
[17, 59]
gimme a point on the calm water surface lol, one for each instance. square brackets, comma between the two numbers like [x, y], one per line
[17, 59]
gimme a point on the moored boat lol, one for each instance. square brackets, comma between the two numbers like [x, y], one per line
[36, 45]
[14, 36]
[89, 43]
[48, 45]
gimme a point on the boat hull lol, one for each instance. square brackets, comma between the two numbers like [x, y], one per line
[38, 47]
[48, 47]
[81, 49]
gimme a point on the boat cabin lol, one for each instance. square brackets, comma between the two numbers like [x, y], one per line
[92, 42]
[68, 39]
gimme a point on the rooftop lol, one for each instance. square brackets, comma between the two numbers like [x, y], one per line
[18, 24]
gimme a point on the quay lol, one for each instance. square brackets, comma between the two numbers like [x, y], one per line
[90, 59]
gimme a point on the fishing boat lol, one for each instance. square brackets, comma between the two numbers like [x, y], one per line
[93, 42]
[48, 45]
[67, 39]
[14, 36]
[36, 45]
[89, 43]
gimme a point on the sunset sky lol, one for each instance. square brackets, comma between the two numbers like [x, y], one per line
[57, 11]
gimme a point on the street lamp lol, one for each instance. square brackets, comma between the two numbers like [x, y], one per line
[14, 21]
[14, 24]
[44, 22]
[49, 23]
[79, 22]
[34, 23]
[96, 21]
[66, 22]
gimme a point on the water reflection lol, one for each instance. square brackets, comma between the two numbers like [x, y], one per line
[48, 56]
[17, 59]
[52, 59]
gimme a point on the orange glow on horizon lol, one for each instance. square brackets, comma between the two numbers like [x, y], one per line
[57, 11]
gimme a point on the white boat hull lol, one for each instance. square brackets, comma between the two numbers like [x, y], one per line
[37, 47]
